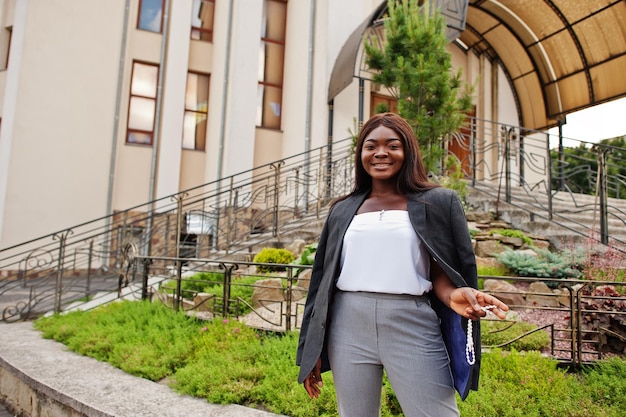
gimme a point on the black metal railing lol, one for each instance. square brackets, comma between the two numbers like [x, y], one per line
[263, 206]
[217, 220]
[585, 319]
[577, 185]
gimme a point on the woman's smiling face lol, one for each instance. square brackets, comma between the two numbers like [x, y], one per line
[382, 155]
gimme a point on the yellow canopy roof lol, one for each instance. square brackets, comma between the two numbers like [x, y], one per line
[559, 55]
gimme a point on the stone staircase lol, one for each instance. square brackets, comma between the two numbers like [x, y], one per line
[575, 217]
[572, 220]
[306, 228]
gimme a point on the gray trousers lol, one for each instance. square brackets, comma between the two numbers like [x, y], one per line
[398, 334]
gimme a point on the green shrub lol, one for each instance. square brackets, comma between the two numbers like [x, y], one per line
[194, 284]
[273, 256]
[241, 288]
[526, 384]
[453, 178]
[308, 255]
[545, 265]
[512, 233]
[306, 258]
[495, 333]
[497, 270]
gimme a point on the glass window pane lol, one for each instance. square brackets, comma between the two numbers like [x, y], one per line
[144, 81]
[150, 15]
[273, 60]
[139, 137]
[141, 114]
[202, 20]
[275, 18]
[194, 130]
[269, 106]
[201, 128]
[197, 95]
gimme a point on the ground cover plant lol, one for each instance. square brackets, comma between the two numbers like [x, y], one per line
[224, 361]
[241, 288]
[512, 233]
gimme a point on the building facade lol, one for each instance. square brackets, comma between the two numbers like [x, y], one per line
[106, 105]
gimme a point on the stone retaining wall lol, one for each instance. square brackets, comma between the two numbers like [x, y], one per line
[26, 397]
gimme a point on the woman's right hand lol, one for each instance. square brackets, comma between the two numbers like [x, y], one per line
[313, 381]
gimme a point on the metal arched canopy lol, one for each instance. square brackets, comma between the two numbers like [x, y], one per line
[559, 55]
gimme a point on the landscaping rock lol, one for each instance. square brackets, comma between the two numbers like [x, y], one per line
[479, 216]
[488, 248]
[296, 247]
[515, 242]
[202, 301]
[499, 224]
[267, 290]
[298, 293]
[541, 243]
[540, 296]
[505, 292]
[489, 263]
[528, 251]
[563, 295]
[304, 279]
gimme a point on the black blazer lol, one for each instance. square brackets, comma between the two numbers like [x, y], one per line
[439, 221]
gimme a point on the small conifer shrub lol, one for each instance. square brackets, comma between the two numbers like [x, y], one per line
[273, 256]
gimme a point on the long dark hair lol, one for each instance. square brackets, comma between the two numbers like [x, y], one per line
[412, 175]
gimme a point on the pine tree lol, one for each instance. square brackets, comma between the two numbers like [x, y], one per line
[415, 65]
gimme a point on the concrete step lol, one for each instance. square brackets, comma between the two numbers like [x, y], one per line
[575, 217]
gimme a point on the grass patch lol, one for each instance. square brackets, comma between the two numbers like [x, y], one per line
[225, 362]
[140, 338]
[495, 333]
[526, 384]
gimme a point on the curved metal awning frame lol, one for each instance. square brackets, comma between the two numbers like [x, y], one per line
[559, 56]
[346, 68]
[343, 70]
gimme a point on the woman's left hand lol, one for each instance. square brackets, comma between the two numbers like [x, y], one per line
[469, 303]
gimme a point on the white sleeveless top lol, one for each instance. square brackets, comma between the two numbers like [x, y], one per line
[381, 253]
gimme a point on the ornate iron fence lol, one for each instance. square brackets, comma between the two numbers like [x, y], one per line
[229, 218]
[222, 219]
[577, 185]
[585, 320]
